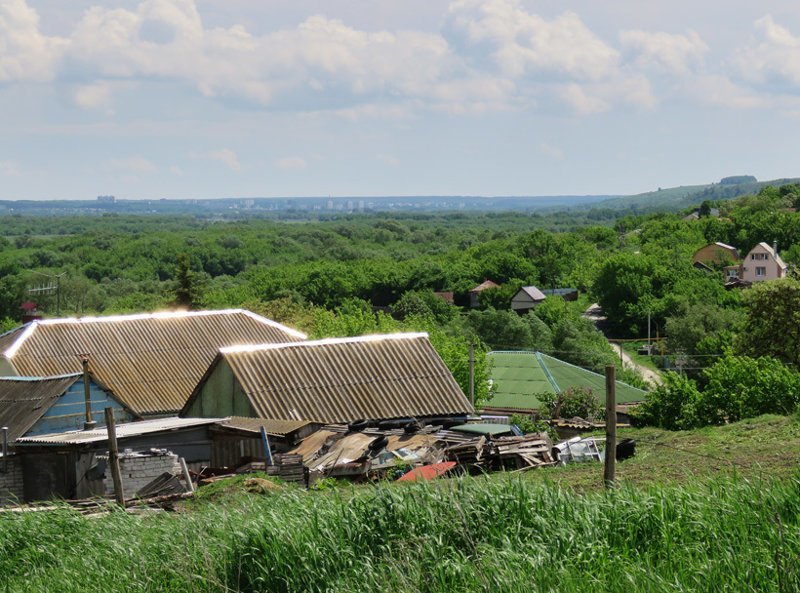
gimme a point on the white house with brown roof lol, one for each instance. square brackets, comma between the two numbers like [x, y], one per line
[763, 263]
[151, 362]
[526, 298]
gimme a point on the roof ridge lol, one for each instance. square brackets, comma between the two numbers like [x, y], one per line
[324, 342]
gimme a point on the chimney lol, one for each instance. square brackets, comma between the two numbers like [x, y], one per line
[775, 246]
[89, 423]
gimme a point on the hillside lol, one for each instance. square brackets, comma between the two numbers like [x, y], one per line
[678, 198]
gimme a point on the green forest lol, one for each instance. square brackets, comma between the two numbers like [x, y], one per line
[358, 274]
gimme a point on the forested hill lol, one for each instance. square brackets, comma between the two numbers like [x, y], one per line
[678, 198]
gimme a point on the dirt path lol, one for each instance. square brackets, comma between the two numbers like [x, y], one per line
[595, 314]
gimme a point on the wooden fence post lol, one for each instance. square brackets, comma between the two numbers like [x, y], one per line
[113, 457]
[611, 427]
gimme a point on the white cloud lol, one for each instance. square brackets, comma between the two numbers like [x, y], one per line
[674, 54]
[553, 152]
[176, 170]
[523, 43]
[291, 163]
[93, 96]
[774, 59]
[388, 159]
[133, 164]
[25, 53]
[227, 157]
[9, 168]
[490, 56]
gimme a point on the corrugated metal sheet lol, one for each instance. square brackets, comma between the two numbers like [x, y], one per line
[377, 377]
[151, 362]
[276, 427]
[24, 400]
[9, 337]
[129, 429]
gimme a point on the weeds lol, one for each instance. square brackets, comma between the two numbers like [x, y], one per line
[498, 534]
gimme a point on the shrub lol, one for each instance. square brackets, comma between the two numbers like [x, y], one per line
[575, 401]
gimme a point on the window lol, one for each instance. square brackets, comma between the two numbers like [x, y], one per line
[761, 271]
[758, 256]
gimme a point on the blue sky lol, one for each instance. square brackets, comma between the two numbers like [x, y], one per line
[228, 98]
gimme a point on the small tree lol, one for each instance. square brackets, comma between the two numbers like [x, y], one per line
[574, 402]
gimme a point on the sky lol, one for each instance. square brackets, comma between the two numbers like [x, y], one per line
[236, 98]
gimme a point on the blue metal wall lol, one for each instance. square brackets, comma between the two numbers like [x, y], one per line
[69, 412]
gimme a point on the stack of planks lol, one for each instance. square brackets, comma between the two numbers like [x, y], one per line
[531, 450]
[288, 467]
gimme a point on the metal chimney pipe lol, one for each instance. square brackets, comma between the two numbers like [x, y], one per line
[775, 246]
[89, 423]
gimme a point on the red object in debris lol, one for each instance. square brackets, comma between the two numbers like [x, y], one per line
[28, 306]
[428, 472]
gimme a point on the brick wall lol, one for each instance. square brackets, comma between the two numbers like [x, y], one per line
[139, 469]
[11, 487]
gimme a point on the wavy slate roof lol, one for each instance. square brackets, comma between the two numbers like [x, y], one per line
[151, 362]
[23, 400]
[345, 379]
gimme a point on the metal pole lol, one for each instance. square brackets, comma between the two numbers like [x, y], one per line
[113, 457]
[472, 374]
[611, 427]
[265, 442]
[89, 423]
[648, 332]
[5, 449]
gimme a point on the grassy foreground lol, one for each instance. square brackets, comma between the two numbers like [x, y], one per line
[498, 534]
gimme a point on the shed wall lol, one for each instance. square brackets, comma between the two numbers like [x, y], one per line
[11, 482]
[221, 396]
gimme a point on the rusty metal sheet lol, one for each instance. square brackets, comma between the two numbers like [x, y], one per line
[151, 362]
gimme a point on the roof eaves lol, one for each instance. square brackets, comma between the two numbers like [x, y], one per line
[11, 350]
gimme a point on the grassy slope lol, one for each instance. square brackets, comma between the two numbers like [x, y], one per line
[765, 447]
[500, 533]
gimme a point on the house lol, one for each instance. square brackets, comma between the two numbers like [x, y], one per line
[473, 294]
[336, 380]
[520, 380]
[39, 405]
[526, 298]
[715, 255]
[150, 362]
[763, 263]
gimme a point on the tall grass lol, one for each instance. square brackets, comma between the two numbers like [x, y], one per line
[497, 534]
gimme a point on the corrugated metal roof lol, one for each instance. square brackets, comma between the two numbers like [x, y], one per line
[151, 362]
[129, 429]
[485, 285]
[276, 427]
[341, 380]
[533, 292]
[23, 400]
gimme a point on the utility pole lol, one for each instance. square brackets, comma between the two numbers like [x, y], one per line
[609, 469]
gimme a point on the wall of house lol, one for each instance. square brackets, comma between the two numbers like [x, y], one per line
[772, 271]
[139, 469]
[11, 482]
[69, 412]
[221, 396]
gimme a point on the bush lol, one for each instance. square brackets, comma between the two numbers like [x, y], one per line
[574, 402]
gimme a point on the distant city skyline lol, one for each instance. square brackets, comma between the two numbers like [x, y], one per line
[355, 98]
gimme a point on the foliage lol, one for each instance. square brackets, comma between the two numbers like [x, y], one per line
[772, 323]
[671, 405]
[736, 387]
[580, 402]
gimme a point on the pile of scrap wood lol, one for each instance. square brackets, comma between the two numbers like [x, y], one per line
[336, 451]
